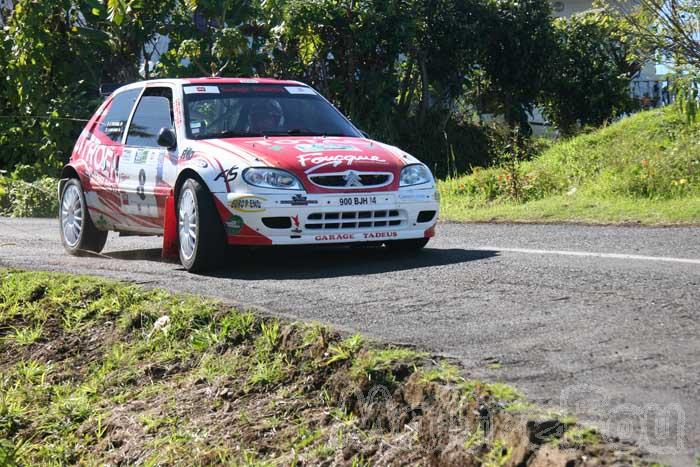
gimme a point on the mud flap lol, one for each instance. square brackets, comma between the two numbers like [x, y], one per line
[171, 243]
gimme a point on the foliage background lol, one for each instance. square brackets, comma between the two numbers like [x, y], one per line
[416, 73]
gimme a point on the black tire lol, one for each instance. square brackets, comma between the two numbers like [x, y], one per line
[209, 243]
[414, 244]
[87, 239]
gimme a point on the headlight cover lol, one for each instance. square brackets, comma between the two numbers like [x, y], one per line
[415, 174]
[278, 179]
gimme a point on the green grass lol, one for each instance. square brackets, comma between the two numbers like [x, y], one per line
[95, 372]
[643, 169]
[580, 209]
[580, 436]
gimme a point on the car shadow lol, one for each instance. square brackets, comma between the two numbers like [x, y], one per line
[149, 254]
[328, 262]
[301, 262]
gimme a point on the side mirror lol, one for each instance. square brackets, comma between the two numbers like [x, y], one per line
[167, 138]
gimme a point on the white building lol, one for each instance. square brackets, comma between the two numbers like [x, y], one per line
[650, 79]
[5, 7]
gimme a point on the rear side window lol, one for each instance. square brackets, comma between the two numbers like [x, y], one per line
[114, 123]
[153, 113]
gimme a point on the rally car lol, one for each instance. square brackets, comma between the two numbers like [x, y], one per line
[213, 161]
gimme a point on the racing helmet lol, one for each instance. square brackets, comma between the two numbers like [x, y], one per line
[265, 115]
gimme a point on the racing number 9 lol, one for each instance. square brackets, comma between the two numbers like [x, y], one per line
[142, 181]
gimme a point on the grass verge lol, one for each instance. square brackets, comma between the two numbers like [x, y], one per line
[643, 169]
[97, 372]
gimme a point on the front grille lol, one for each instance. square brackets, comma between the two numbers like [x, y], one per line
[355, 220]
[352, 180]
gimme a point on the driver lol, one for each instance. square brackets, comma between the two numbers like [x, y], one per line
[265, 116]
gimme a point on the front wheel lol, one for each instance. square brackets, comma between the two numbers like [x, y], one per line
[413, 244]
[78, 233]
[201, 235]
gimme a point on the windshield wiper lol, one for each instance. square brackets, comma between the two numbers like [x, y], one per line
[301, 132]
[230, 134]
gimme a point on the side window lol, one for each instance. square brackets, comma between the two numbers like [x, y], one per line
[114, 122]
[153, 113]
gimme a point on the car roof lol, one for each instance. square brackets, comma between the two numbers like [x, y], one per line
[208, 80]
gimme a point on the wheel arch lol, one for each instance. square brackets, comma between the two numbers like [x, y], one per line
[183, 177]
[67, 173]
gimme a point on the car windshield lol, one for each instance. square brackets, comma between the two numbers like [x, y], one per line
[243, 110]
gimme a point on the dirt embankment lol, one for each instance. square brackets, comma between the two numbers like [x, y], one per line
[97, 372]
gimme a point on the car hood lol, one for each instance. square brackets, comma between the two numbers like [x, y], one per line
[319, 161]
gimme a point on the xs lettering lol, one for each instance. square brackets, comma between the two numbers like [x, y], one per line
[228, 175]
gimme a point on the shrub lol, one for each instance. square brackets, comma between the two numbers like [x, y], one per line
[19, 198]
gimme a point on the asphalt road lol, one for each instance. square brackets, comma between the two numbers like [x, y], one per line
[611, 331]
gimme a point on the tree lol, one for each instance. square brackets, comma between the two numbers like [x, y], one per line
[49, 66]
[591, 72]
[517, 61]
[671, 26]
[214, 37]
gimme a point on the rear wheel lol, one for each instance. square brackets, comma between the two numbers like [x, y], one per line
[78, 233]
[413, 244]
[201, 234]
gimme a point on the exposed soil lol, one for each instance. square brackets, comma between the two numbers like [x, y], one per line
[317, 411]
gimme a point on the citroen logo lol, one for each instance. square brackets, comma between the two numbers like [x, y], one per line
[352, 179]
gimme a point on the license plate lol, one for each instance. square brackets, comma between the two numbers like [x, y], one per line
[357, 201]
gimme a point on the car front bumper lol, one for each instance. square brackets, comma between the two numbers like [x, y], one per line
[302, 219]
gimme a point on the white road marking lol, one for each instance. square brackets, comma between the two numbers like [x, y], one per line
[591, 254]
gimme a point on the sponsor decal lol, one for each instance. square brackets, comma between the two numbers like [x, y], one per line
[234, 225]
[323, 147]
[415, 196]
[375, 235]
[276, 147]
[195, 126]
[299, 200]
[186, 154]
[228, 175]
[299, 90]
[317, 161]
[248, 204]
[297, 226]
[177, 107]
[101, 223]
[99, 159]
[201, 90]
[141, 157]
[332, 237]
[201, 163]
[248, 81]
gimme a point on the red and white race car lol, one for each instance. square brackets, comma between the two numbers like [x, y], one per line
[213, 161]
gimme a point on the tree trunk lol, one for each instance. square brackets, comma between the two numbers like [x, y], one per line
[425, 94]
[403, 90]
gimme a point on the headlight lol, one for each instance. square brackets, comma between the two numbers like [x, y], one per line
[415, 174]
[271, 178]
